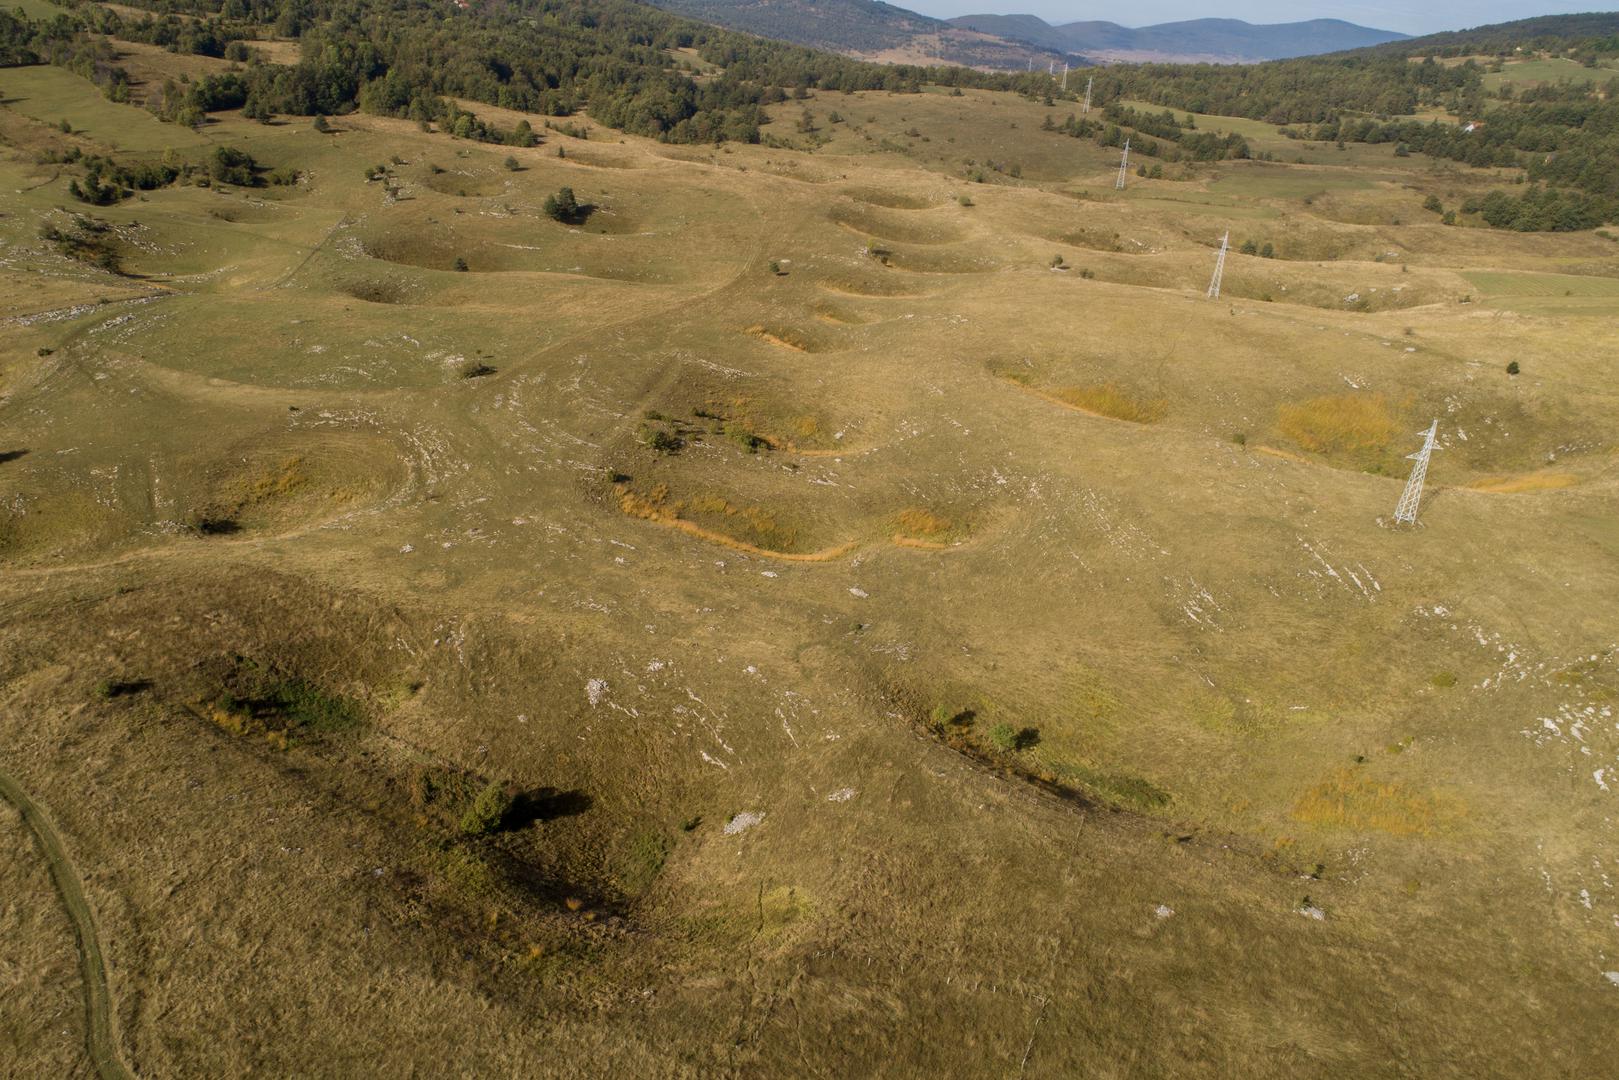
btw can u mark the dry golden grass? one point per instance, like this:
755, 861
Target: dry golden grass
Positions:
1177, 649
1340, 423
1111, 401
1352, 800
656, 508
278, 482
1517, 485
919, 522
784, 340
1285, 455
918, 527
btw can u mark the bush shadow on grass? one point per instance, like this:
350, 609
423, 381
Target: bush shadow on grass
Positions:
545, 804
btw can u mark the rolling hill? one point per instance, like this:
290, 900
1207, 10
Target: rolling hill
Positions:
871, 29
734, 561
1224, 40
875, 30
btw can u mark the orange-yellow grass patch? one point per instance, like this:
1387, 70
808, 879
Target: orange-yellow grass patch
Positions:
1352, 800
780, 342
1284, 455
1339, 422
920, 528
1515, 485
1105, 400
656, 509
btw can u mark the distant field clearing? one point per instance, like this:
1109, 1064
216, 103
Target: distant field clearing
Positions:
1507, 283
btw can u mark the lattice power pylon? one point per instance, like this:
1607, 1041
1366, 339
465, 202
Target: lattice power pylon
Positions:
1065, 75
1124, 166
1411, 498
1219, 267
1089, 79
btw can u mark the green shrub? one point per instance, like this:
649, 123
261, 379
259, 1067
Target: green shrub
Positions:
487, 811
663, 442
1003, 737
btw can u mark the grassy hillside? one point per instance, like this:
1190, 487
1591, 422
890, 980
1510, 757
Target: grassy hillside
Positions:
848, 603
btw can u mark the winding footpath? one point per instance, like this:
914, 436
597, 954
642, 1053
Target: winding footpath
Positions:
97, 998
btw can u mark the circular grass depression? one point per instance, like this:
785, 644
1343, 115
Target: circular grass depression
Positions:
287, 481
884, 226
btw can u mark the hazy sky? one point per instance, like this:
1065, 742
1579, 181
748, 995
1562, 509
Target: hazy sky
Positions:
1417, 17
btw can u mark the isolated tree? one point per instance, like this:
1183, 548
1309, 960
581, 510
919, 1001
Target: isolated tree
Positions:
1249, 247
522, 135
511, 164
562, 206
321, 125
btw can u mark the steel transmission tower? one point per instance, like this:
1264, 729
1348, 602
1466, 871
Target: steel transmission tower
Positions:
1406, 512
1065, 76
1219, 267
1124, 165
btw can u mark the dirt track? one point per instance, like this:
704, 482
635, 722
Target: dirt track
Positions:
97, 998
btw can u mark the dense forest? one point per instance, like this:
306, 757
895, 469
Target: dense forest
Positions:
400, 57
1309, 90
1564, 136
619, 60
1543, 33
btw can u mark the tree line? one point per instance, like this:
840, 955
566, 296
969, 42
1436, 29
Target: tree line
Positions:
401, 57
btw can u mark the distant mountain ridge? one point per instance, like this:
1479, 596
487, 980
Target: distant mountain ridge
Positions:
876, 30
1227, 40
867, 28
